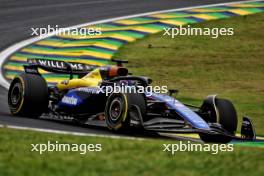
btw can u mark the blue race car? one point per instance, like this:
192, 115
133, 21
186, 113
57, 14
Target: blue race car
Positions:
86, 100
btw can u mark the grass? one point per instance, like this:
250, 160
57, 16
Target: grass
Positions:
231, 66
119, 157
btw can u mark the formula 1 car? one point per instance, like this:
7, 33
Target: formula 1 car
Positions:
84, 100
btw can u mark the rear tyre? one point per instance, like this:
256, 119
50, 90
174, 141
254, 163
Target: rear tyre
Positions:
119, 107
28, 95
226, 116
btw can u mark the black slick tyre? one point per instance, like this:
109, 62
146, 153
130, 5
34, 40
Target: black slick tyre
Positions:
28, 95
227, 117
118, 108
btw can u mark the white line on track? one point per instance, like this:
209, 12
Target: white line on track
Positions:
70, 132
13, 48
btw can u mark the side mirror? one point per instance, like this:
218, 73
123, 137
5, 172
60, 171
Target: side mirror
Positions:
173, 91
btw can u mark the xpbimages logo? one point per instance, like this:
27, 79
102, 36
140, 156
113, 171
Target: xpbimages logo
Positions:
62, 147
124, 88
197, 147
193, 31
85, 31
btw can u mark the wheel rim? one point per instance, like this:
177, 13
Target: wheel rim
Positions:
16, 94
115, 109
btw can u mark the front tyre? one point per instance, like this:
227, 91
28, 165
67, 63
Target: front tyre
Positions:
225, 114
119, 107
28, 95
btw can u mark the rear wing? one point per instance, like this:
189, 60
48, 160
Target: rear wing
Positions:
57, 66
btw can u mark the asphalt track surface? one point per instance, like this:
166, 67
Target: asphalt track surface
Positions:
17, 17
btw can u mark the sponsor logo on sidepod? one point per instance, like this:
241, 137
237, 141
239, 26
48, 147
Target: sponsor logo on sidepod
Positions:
69, 100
